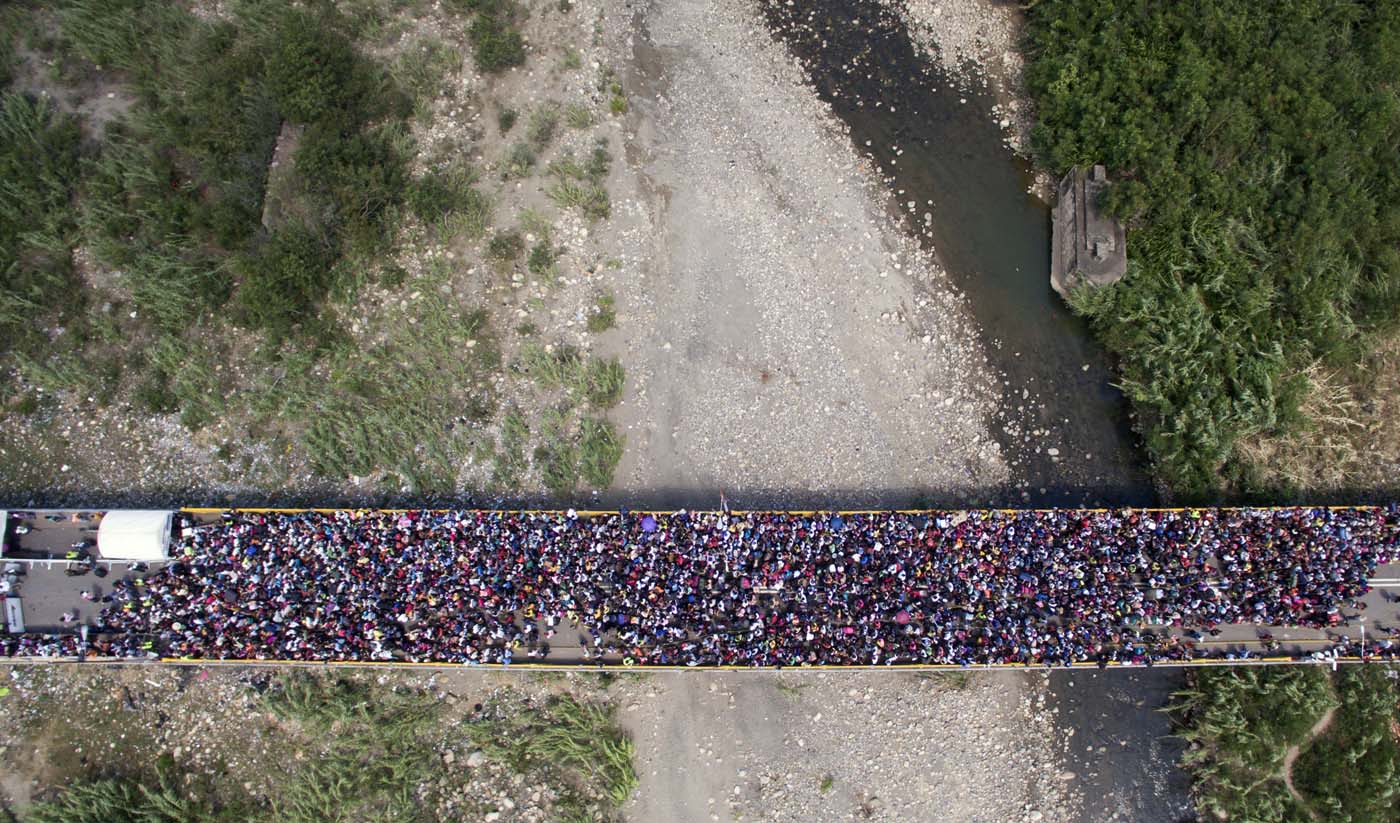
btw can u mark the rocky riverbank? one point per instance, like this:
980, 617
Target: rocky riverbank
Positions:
976, 43
847, 746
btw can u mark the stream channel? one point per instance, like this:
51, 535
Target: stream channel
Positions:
993, 238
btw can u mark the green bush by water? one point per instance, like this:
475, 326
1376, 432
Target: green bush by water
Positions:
1255, 150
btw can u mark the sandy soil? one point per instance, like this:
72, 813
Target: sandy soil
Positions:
786, 343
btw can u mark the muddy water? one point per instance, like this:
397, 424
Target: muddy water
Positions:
939, 147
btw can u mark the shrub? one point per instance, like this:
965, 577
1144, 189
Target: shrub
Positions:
441, 192
599, 162
506, 246
362, 175
589, 198
471, 218
604, 314
285, 280
603, 381
543, 122
541, 260
310, 69
505, 119
518, 162
392, 276
497, 45
578, 116
154, 395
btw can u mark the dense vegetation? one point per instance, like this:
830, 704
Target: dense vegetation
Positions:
1240, 723
380, 754
1256, 157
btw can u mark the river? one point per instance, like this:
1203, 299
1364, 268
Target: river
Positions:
939, 143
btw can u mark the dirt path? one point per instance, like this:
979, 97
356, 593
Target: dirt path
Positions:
1292, 754
783, 337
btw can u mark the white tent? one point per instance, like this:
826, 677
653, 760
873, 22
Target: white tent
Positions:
135, 535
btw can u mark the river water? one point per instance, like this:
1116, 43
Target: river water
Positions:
940, 144
937, 142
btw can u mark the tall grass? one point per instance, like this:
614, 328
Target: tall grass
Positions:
404, 407
38, 172
510, 460
600, 449
381, 763
422, 71
597, 381
1262, 236
117, 801
1239, 723
591, 199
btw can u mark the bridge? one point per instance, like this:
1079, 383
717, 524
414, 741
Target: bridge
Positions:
53, 583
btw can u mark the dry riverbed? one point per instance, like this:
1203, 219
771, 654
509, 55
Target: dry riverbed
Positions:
816, 747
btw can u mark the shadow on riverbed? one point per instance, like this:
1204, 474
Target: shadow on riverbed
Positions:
656, 499
940, 149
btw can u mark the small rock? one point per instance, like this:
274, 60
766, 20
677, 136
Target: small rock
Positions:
476, 759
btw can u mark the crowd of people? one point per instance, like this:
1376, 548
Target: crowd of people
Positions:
760, 589
751, 589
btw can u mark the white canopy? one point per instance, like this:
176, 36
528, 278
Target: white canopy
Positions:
134, 535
